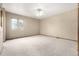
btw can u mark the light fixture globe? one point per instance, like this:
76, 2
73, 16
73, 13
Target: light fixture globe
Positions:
39, 12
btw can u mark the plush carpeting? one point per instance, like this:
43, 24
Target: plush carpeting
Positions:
39, 46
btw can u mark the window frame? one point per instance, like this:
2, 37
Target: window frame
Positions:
19, 24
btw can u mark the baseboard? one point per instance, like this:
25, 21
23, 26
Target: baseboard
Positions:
21, 37
59, 37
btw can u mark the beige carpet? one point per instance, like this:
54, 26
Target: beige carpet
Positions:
39, 46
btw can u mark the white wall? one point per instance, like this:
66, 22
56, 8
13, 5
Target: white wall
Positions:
1, 39
1, 33
31, 26
0, 17
62, 25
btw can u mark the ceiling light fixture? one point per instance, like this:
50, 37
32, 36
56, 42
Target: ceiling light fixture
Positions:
40, 12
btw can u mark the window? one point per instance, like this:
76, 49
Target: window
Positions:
21, 24
14, 24
17, 24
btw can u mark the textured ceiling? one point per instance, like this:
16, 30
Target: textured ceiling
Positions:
29, 9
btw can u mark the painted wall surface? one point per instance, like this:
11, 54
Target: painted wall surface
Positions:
30, 26
0, 17
4, 23
1, 39
63, 25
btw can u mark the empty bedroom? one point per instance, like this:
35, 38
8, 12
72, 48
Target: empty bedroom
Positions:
39, 29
